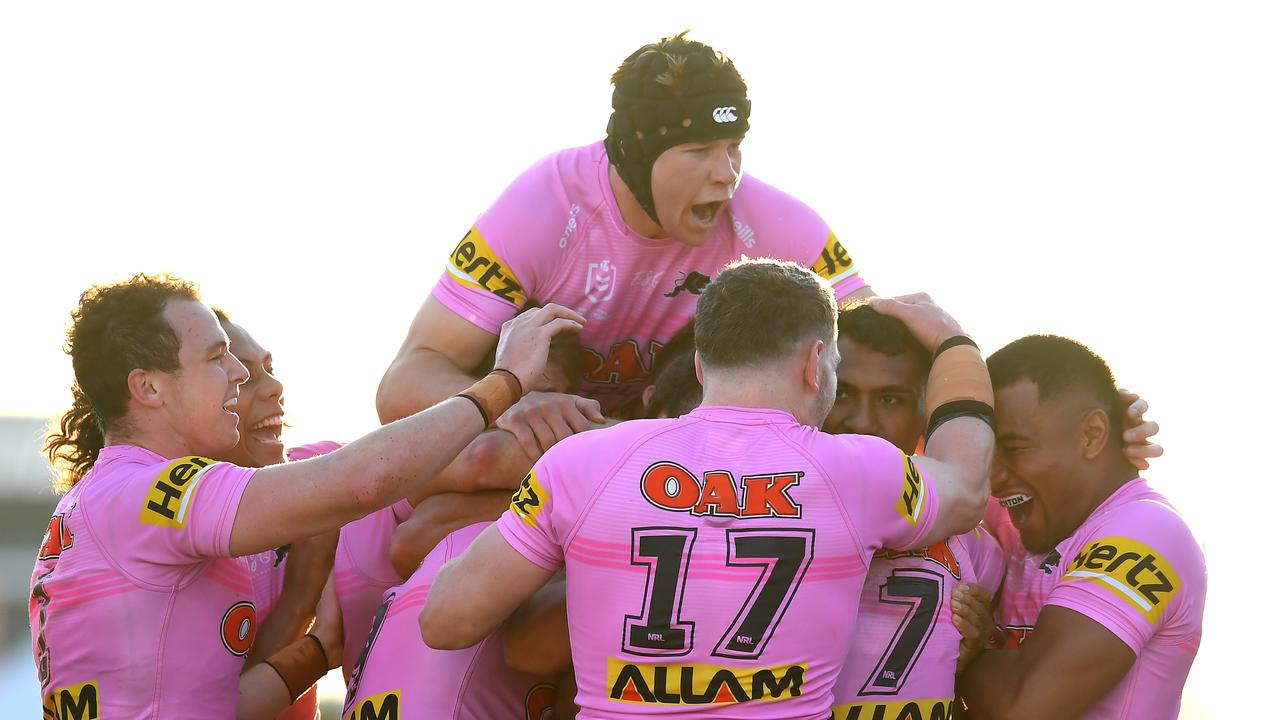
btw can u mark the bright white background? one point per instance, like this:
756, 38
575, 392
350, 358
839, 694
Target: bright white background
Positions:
1103, 170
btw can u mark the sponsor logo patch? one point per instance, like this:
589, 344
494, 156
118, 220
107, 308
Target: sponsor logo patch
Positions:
383, 706
474, 264
73, 702
1131, 570
911, 503
648, 684
529, 499
169, 498
834, 263
669, 486
239, 628
939, 709
725, 114
540, 702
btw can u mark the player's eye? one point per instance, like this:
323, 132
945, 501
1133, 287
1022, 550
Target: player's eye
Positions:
890, 401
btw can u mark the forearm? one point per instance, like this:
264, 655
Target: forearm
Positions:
990, 684
417, 379
536, 640
965, 445
263, 694
288, 620
441, 515
493, 461
309, 563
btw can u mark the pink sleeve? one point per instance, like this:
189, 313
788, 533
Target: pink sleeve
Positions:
310, 450
1133, 574
895, 505
510, 253
987, 558
176, 513
530, 523
783, 227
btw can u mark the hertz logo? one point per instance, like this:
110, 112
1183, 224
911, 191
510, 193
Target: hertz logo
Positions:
1129, 569
529, 499
383, 706
939, 709
912, 502
74, 702
834, 263
169, 498
474, 264
702, 684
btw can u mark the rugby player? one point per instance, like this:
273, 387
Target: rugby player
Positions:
627, 231
715, 560
1120, 583
134, 586
287, 581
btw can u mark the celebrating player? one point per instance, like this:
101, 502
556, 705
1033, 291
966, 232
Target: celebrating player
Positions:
136, 607
628, 232
716, 559
1122, 577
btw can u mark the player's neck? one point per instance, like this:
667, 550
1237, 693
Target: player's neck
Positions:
1112, 474
632, 214
755, 391
143, 433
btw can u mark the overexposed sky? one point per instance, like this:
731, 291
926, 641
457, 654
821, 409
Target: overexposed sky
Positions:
1107, 171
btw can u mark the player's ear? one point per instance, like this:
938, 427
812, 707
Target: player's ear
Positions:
813, 366
145, 387
697, 367
1094, 431
647, 396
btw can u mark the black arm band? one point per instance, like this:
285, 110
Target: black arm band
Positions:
960, 408
483, 415
952, 342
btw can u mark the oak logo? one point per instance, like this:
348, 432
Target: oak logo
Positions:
239, 627
702, 684
74, 702
170, 497
529, 499
383, 706
540, 702
939, 552
911, 507
474, 264
669, 486
1129, 569
623, 365
939, 709
834, 263
56, 539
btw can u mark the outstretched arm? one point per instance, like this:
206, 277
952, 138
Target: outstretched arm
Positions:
300, 499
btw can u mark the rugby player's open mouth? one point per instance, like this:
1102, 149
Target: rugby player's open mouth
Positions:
268, 429
229, 407
1018, 505
705, 213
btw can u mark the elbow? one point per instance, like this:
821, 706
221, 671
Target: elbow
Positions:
443, 630
403, 558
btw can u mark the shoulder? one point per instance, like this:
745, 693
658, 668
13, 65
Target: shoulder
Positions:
612, 441
769, 222
549, 189
310, 450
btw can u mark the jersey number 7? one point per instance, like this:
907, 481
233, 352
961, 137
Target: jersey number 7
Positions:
783, 557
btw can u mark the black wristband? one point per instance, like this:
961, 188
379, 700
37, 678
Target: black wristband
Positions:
960, 408
483, 415
952, 342
513, 377
320, 645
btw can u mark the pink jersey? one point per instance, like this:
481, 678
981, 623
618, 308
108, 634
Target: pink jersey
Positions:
362, 572
137, 610
398, 676
902, 662
557, 235
1134, 567
714, 562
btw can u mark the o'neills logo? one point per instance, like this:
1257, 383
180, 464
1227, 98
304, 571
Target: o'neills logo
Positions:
1129, 569
939, 709
668, 485
702, 684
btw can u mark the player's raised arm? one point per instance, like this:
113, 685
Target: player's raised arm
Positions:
284, 502
958, 440
433, 363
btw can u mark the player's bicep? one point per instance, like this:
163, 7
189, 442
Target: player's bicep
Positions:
473, 594
437, 329
1069, 663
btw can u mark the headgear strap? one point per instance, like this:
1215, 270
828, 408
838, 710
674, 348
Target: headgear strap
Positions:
650, 117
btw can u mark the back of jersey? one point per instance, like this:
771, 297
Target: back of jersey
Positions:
712, 564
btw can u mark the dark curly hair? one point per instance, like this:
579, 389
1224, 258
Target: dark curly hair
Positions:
114, 330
